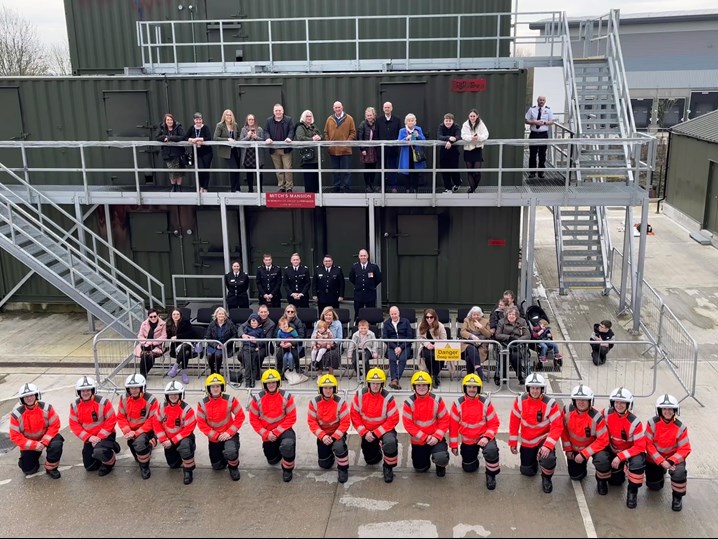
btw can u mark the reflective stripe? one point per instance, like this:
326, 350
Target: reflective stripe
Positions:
383, 417
172, 430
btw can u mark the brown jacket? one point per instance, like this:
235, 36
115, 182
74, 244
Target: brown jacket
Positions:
470, 328
346, 131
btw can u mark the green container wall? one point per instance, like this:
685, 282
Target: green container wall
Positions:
688, 171
103, 37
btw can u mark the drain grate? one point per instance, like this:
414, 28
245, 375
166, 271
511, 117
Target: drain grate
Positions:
5, 444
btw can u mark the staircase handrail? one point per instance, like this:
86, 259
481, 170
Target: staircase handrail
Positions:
113, 276
604, 233
569, 77
78, 255
615, 55
558, 234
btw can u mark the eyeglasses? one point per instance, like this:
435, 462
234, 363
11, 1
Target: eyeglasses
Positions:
291, 312
429, 317
152, 316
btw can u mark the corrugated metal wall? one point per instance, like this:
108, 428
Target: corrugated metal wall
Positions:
103, 34
689, 165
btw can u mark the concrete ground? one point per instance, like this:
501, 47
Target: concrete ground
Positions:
53, 350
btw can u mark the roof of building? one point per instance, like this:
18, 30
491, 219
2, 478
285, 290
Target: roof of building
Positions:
645, 18
704, 127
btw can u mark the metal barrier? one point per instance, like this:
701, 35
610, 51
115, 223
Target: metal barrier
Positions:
668, 335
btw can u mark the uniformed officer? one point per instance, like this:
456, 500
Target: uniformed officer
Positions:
237, 283
328, 284
269, 282
365, 276
297, 282
539, 118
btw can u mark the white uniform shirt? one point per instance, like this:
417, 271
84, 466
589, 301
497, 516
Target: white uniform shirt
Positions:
546, 114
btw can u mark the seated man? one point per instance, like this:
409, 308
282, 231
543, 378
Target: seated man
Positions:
395, 330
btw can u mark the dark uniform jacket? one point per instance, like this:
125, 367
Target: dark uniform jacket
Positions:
269, 282
365, 281
298, 281
328, 285
236, 286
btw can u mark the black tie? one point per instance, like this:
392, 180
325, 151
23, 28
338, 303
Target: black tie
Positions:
236, 275
363, 266
539, 114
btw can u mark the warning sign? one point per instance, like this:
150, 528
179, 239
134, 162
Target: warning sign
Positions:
447, 351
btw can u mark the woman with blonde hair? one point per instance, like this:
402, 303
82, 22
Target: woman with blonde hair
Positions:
412, 159
221, 329
227, 129
306, 131
475, 329
332, 357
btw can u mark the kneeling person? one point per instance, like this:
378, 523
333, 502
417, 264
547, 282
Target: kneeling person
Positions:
174, 425
329, 420
134, 416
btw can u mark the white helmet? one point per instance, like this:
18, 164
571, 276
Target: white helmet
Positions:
621, 394
86, 382
28, 389
174, 388
535, 380
582, 392
135, 380
667, 401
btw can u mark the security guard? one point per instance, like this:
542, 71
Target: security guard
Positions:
539, 118
269, 283
297, 282
365, 276
237, 283
328, 284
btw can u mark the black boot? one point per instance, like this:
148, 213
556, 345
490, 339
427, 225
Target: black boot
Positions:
104, 470
286, 475
546, 484
234, 473
677, 503
187, 477
631, 498
343, 474
145, 470
490, 482
440, 471
602, 486
388, 474
55, 474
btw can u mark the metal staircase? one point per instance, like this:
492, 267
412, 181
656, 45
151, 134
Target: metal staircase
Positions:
604, 113
76, 268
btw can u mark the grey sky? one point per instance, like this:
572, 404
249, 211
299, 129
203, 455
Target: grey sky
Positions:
49, 15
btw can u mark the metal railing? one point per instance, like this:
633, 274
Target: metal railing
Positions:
89, 253
360, 44
674, 344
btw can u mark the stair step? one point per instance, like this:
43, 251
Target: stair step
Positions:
582, 243
577, 213
581, 252
584, 284
595, 264
602, 153
582, 274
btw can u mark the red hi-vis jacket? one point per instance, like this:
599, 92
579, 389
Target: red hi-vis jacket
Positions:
272, 413
328, 417
174, 422
667, 441
584, 432
625, 434
94, 417
31, 429
135, 414
374, 412
425, 416
215, 416
473, 419
539, 421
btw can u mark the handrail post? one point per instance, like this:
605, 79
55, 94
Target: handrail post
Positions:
174, 46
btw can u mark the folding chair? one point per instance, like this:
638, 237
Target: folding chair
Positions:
239, 315
275, 313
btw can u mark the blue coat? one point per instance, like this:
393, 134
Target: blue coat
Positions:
404, 152
393, 336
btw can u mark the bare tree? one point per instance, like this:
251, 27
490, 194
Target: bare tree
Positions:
58, 59
21, 52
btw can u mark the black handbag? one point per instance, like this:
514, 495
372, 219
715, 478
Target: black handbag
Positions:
307, 154
186, 160
419, 155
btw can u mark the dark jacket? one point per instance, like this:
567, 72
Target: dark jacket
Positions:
206, 133
365, 281
391, 335
304, 133
219, 333
269, 282
328, 286
236, 286
176, 135
297, 281
389, 130
272, 130
443, 133
608, 336
182, 331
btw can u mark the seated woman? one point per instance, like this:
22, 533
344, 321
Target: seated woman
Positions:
179, 328
476, 329
514, 328
332, 357
429, 331
290, 313
220, 329
150, 346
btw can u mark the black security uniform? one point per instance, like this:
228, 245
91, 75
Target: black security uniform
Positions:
328, 286
365, 281
297, 281
237, 285
269, 281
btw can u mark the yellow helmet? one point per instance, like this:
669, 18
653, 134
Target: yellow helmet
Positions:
271, 375
376, 375
327, 380
421, 377
471, 380
214, 379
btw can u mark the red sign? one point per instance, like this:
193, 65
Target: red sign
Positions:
290, 200
468, 85
497, 243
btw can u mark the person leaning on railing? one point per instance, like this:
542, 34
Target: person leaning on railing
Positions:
250, 157
172, 131
306, 131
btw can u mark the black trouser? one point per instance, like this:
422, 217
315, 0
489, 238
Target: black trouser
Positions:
655, 477
474, 174
282, 449
370, 174
451, 178
234, 302
276, 301
102, 453
147, 359
537, 149
233, 164
432, 365
182, 454
636, 469
470, 457
386, 447
423, 455
223, 453
205, 163
251, 363
327, 453
182, 354
29, 460
578, 471
214, 360
599, 353
302, 302
142, 445
473, 361
252, 179
530, 462
311, 178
